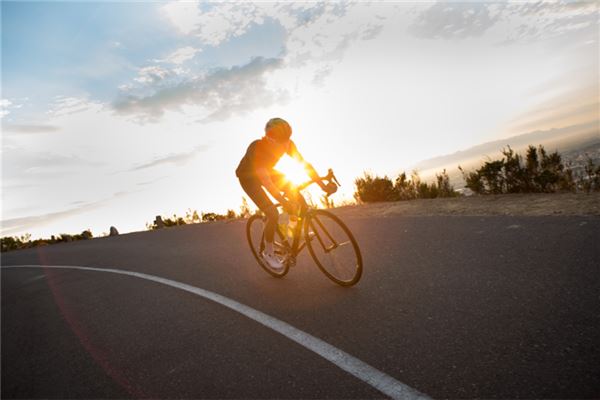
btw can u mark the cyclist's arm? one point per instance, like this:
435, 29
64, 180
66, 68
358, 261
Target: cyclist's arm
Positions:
312, 172
265, 180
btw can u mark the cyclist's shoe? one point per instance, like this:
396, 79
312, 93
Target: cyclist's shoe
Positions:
272, 261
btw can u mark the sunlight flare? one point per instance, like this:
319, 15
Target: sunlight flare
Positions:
293, 170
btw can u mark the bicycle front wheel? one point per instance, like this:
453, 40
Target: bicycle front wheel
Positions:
333, 247
256, 239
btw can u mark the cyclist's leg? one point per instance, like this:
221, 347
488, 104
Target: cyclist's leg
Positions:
254, 190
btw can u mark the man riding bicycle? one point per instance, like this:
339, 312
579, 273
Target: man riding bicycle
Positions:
256, 172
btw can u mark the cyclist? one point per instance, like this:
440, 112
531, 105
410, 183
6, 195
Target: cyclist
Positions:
256, 172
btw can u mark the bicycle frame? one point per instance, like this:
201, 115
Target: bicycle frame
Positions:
298, 244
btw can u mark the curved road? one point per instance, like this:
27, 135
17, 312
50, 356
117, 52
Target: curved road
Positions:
452, 307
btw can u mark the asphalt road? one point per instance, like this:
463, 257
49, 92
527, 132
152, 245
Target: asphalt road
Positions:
454, 307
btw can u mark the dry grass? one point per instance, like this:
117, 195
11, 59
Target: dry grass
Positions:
506, 204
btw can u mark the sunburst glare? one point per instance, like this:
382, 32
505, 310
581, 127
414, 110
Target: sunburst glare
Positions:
292, 169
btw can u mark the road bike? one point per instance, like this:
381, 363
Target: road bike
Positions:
330, 243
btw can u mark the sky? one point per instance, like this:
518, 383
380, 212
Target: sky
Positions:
115, 112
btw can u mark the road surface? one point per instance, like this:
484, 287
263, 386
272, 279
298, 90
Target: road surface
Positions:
451, 307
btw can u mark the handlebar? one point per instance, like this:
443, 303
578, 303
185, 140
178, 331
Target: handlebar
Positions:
330, 177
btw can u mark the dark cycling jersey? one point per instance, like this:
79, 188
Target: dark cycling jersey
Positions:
262, 154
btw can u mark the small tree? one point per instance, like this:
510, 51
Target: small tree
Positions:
231, 214
491, 173
374, 189
514, 173
245, 209
404, 187
444, 188
590, 180
473, 181
192, 217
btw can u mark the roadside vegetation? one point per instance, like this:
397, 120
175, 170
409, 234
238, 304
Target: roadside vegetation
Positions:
537, 172
9, 243
371, 188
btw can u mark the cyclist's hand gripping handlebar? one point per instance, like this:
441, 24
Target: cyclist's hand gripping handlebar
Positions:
332, 185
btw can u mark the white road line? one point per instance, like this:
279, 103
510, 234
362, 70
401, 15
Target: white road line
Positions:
375, 378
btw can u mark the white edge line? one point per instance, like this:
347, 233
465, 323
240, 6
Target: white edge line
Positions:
361, 370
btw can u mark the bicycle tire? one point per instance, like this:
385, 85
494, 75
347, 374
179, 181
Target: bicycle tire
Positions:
314, 223
255, 225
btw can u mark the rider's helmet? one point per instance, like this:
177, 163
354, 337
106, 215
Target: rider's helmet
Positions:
278, 129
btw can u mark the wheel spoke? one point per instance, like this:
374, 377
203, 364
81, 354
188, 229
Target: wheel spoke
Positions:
335, 251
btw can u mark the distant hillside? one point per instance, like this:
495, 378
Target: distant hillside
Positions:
572, 140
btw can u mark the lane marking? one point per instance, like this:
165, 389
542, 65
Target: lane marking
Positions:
361, 370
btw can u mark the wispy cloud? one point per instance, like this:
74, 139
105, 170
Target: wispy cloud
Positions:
32, 128
65, 105
178, 159
18, 225
181, 55
213, 23
21, 164
152, 74
7, 106
150, 182
458, 20
526, 21
219, 93
4, 106
574, 106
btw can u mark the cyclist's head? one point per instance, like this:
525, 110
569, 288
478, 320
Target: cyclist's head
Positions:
278, 129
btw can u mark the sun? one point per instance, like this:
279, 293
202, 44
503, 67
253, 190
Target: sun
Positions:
292, 169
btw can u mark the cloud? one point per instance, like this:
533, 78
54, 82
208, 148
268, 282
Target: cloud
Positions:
546, 20
212, 23
317, 37
23, 224
577, 105
20, 164
525, 21
151, 74
63, 105
312, 29
455, 20
181, 55
30, 128
5, 106
219, 93
218, 22
150, 182
177, 159
183, 15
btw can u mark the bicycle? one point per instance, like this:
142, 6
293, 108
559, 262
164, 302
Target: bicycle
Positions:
330, 243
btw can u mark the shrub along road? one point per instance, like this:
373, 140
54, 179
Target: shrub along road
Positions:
454, 307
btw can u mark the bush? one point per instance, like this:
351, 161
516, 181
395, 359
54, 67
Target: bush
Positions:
374, 189
541, 173
9, 243
590, 179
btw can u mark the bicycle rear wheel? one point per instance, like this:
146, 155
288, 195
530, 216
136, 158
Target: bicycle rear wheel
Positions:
256, 239
333, 247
